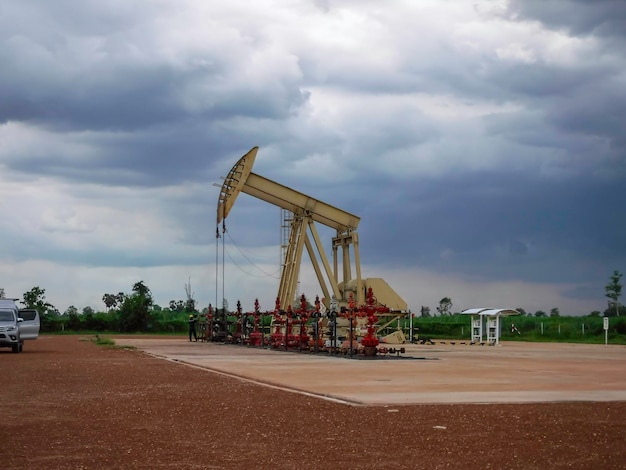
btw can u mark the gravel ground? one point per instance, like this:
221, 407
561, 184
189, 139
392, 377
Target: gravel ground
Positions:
68, 403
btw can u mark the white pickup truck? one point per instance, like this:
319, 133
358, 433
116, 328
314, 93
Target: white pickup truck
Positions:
17, 325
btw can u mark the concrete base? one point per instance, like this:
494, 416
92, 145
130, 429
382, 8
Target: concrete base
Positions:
512, 372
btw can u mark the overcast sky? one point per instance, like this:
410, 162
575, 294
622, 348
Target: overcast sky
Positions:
482, 143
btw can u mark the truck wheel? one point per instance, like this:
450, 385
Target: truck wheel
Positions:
15, 348
21, 346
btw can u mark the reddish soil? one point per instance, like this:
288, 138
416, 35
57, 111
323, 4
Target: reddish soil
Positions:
68, 403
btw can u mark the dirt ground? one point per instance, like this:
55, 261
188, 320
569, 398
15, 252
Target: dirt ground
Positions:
68, 403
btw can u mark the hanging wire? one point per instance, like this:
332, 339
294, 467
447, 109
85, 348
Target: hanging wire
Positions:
274, 275
223, 267
217, 259
265, 273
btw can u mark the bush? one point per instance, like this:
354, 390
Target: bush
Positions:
134, 315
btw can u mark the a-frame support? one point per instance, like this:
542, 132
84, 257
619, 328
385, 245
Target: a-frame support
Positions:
307, 211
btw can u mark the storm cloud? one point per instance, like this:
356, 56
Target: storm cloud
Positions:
483, 144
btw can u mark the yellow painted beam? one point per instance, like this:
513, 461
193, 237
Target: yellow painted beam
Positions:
287, 198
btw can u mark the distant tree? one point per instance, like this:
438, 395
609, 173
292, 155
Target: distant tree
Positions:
613, 312
595, 313
190, 304
73, 321
177, 306
613, 291
36, 298
540, 313
554, 312
71, 310
445, 305
2, 293
110, 301
521, 310
134, 312
141, 289
88, 310
425, 311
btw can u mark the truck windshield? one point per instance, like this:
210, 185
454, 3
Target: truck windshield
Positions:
6, 315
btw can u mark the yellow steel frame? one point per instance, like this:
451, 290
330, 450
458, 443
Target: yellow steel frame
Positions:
307, 210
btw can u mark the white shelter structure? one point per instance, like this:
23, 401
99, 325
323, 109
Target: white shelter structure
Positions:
486, 322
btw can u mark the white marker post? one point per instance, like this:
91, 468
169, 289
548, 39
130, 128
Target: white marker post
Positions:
606, 330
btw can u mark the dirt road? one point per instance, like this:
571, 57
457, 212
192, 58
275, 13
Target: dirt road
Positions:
68, 403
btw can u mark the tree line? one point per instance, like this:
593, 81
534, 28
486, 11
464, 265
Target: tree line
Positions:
137, 311
134, 312
613, 291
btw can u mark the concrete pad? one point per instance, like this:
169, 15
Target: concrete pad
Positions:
512, 372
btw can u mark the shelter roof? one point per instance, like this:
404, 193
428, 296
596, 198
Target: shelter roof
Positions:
491, 312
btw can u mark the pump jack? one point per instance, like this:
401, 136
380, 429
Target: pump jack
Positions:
306, 212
